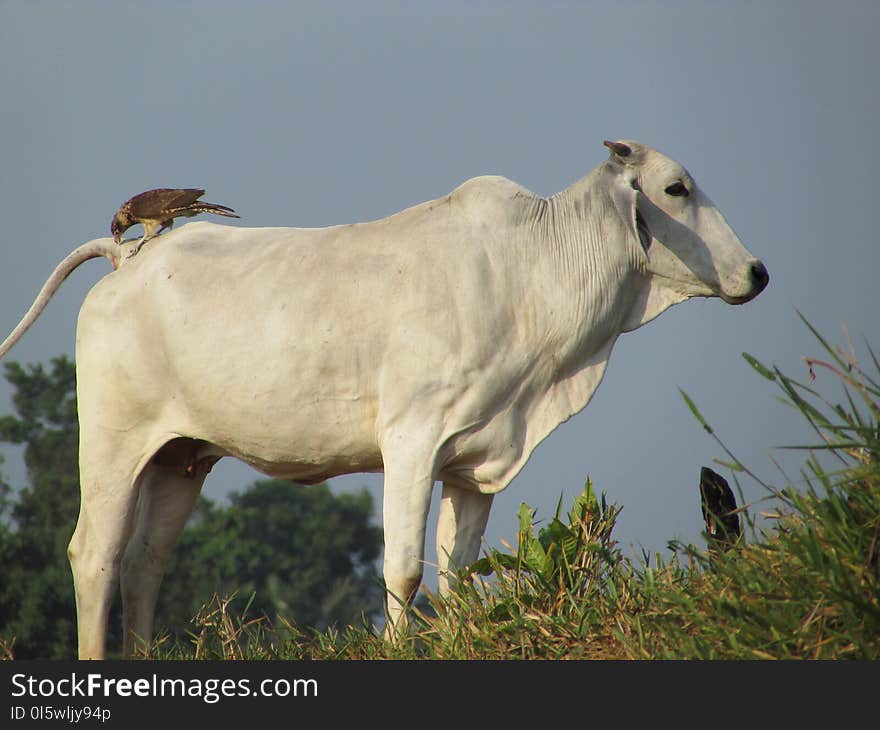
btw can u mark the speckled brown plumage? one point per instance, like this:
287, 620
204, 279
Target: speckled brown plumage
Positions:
156, 210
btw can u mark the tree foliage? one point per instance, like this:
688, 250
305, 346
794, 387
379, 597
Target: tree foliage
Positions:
36, 596
304, 553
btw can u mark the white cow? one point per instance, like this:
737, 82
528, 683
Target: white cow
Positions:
444, 342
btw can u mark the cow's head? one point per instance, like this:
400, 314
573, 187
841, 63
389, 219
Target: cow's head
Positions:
690, 248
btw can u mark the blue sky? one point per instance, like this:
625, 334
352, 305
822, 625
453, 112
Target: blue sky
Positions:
313, 114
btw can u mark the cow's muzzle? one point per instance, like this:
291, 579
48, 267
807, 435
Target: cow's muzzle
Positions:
759, 277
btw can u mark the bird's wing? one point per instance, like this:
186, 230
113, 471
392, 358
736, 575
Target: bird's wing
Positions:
153, 203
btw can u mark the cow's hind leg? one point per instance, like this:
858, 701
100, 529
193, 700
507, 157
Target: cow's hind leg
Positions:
166, 499
108, 495
460, 527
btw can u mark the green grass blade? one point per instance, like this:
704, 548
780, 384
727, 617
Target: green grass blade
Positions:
828, 348
762, 370
693, 406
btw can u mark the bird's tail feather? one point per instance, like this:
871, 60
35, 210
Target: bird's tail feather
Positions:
215, 208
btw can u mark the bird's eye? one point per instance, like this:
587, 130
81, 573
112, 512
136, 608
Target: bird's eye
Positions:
677, 189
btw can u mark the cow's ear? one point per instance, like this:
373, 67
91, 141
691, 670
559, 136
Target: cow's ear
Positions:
620, 150
626, 154
625, 195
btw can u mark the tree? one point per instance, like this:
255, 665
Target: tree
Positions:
306, 554
36, 596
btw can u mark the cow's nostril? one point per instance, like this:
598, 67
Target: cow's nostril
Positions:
760, 276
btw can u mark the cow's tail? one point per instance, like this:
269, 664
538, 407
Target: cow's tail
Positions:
93, 249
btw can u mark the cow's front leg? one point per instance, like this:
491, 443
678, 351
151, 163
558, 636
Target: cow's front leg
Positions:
460, 527
405, 503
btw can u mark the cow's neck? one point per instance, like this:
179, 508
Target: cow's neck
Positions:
587, 268
577, 281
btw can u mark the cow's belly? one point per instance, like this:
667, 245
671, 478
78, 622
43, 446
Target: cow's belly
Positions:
302, 441
301, 436
311, 473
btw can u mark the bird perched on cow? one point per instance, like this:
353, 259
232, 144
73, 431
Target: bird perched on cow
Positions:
157, 209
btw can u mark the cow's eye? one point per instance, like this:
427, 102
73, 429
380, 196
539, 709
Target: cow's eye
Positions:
677, 189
